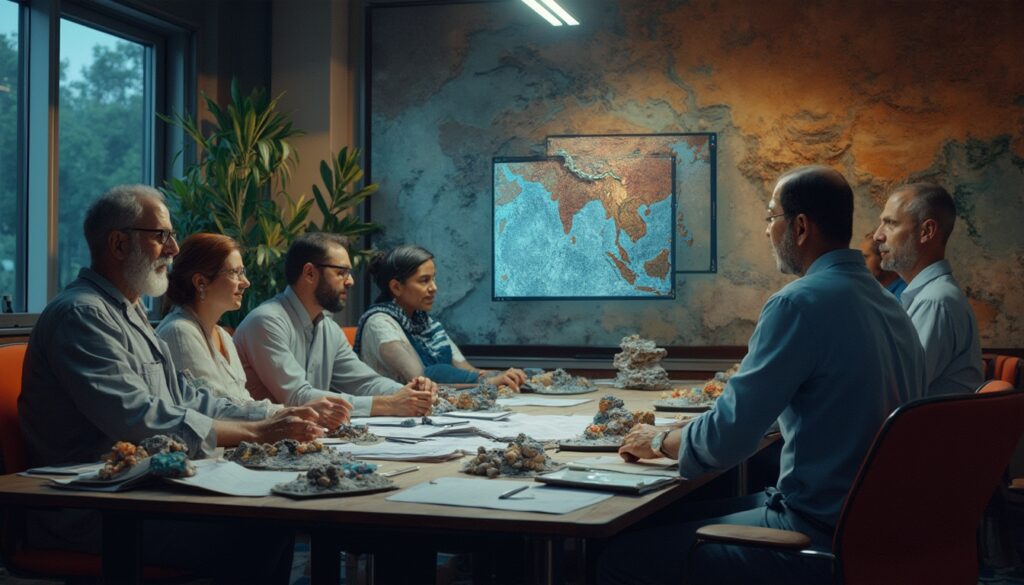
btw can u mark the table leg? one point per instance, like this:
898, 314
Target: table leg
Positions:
122, 548
325, 557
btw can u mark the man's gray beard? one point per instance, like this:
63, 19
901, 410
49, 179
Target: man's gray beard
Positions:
899, 259
141, 274
785, 254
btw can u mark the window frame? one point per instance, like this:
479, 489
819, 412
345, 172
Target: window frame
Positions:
170, 82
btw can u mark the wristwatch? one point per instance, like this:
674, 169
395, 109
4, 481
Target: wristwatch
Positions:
657, 442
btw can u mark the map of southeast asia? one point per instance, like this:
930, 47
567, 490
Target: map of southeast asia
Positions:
563, 231
696, 247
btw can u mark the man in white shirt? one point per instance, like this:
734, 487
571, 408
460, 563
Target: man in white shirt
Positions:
915, 226
293, 352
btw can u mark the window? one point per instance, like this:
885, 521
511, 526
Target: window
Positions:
11, 249
77, 116
103, 129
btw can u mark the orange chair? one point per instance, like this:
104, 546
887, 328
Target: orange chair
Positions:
350, 333
994, 386
1003, 367
912, 513
12, 357
18, 557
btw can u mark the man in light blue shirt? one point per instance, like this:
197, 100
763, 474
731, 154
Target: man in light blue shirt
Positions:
293, 352
915, 227
831, 357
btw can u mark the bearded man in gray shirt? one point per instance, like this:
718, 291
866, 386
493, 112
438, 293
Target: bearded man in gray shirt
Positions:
293, 352
96, 373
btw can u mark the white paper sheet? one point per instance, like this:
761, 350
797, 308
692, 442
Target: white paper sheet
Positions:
72, 469
483, 493
478, 414
538, 401
541, 427
230, 478
439, 449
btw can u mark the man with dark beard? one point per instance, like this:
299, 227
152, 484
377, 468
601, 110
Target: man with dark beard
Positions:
831, 357
293, 352
96, 373
915, 227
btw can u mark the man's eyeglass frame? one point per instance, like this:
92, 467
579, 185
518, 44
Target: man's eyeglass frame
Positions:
162, 235
343, 271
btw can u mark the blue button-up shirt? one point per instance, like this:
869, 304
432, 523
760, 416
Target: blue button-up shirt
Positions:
291, 360
947, 329
833, 354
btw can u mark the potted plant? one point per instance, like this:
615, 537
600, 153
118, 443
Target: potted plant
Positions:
244, 163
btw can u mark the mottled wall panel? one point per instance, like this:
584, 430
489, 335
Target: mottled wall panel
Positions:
884, 91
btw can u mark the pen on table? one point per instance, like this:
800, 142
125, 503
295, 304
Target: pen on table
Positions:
409, 469
513, 491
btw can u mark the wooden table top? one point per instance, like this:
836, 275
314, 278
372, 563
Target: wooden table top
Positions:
600, 520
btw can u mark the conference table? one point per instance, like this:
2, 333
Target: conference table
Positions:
366, 521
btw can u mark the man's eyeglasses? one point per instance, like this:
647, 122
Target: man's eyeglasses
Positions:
236, 273
161, 235
771, 218
343, 271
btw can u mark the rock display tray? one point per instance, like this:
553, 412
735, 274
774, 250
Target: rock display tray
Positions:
561, 390
300, 489
289, 462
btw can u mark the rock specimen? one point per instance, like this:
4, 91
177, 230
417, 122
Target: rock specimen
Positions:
710, 391
285, 454
354, 476
560, 382
638, 365
522, 457
357, 434
481, 397
614, 421
125, 455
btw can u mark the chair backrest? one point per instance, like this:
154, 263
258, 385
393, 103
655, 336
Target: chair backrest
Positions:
1009, 370
994, 386
912, 513
12, 357
350, 333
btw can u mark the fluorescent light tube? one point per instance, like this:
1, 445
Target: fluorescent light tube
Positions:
543, 12
560, 12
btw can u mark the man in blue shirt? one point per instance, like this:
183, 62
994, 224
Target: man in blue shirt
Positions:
831, 357
915, 226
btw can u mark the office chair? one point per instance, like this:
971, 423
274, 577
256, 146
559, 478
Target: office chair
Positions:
912, 513
17, 556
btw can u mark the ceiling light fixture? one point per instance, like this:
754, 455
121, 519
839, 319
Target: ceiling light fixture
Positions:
560, 12
549, 13
543, 12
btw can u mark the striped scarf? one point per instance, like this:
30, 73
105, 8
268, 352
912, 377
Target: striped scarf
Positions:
426, 335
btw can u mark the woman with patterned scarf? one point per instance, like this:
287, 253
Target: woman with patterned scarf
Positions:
397, 337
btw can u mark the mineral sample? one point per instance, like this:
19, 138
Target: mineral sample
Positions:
357, 434
481, 397
560, 382
522, 457
124, 455
613, 421
171, 464
285, 454
638, 365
